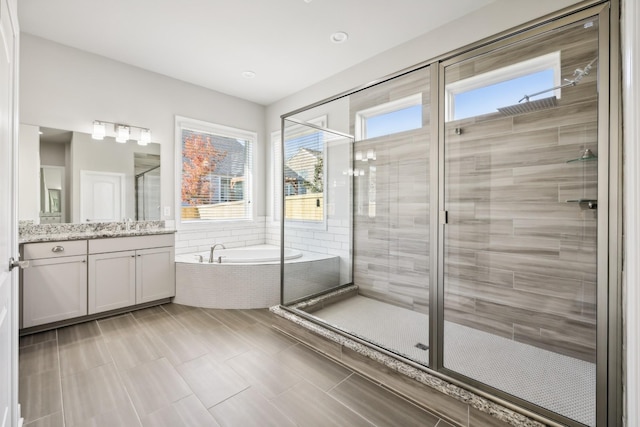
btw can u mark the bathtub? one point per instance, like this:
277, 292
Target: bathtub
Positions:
249, 277
246, 255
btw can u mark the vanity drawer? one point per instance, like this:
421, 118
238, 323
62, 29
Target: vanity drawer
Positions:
54, 249
116, 244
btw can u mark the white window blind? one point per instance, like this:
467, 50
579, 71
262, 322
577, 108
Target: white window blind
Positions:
216, 174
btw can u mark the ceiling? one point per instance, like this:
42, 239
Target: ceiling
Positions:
210, 43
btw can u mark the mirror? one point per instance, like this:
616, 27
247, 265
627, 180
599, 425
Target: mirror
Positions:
52, 194
86, 180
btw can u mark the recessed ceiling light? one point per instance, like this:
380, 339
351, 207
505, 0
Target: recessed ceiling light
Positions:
308, 1
248, 74
339, 37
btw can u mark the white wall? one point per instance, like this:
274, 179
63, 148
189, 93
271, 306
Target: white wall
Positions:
52, 154
29, 173
66, 88
494, 18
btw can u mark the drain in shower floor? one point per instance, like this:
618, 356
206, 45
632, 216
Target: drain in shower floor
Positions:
422, 346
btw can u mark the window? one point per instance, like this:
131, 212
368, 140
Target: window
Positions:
485, 93
389, 118
215, 171
304, 177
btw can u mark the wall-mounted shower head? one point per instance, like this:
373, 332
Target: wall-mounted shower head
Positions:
529, 106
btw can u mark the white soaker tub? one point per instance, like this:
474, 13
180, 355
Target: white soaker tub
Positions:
249, 277
246, 255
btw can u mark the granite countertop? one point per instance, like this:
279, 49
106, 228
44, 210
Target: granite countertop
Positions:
81, 235
32, 233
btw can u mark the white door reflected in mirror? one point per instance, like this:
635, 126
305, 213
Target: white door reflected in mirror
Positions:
102, 196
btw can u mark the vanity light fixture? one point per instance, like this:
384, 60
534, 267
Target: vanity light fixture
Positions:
121, 132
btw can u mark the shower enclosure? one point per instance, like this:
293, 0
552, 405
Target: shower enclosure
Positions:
466, 203
148, 195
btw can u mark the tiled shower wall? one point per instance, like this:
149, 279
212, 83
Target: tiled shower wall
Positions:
391, 227
520, 260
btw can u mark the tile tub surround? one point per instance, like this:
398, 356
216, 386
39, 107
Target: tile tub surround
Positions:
251, 285
180, 366
434, 394
29, 232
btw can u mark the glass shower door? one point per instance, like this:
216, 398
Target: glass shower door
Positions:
316, 219
375, 207
521, 196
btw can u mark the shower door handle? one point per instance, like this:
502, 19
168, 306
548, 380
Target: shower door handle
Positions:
444, 217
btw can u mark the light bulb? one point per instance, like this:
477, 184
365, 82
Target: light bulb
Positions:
99, 130
122, 134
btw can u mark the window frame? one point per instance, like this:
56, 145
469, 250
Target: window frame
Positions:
361, 117
277, 175
510, 72
251, 137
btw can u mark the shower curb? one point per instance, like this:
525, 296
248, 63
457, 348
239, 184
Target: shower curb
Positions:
498, 413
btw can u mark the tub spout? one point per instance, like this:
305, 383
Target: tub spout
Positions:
213, 248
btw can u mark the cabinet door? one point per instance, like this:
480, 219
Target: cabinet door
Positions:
54, 289
155, 274
112, 281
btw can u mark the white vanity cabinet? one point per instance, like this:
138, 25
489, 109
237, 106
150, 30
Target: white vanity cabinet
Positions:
54, 287
112, 281
124, 271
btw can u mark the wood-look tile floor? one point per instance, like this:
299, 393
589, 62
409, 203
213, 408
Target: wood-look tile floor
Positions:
177, 366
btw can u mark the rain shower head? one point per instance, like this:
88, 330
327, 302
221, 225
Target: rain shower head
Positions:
529, 106
550, 102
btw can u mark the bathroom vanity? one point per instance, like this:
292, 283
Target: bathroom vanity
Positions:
87, 274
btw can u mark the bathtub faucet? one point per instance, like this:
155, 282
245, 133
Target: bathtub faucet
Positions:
213, 248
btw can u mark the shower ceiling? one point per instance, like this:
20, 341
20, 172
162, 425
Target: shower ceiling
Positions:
212, 42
